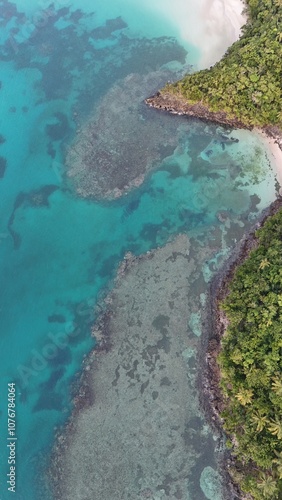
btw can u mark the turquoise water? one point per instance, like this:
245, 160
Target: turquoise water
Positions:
59, 252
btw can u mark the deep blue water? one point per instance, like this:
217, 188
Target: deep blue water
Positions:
59, 252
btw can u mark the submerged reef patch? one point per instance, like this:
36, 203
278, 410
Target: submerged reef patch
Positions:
210, 483
117, 147
141, 440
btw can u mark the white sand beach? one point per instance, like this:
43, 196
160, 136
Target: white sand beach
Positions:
221, 22
211, 25
274, 153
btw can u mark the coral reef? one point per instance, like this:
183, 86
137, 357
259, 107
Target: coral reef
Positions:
116, 148
141, 434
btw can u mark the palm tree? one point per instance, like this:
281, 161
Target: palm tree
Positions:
260, 420
277, 386
279, 113
267, 485
278, 462
245, 396
279, 296
264, 263
275, 427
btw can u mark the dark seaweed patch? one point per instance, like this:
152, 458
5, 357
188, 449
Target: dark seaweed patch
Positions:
255, 200
49, 401
62, 12
8, 11
166, 150
16, 238
40, 197
108, 265
3, 164
59, 130
150, 232
174, 171
54, 378
56, 318
51, 151
2, 139
185, 214
83, 318
64, 357
36, 198
131, 207
76, 15
160, 322
111, 25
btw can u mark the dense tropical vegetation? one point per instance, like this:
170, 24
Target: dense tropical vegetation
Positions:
251, 365
246, 83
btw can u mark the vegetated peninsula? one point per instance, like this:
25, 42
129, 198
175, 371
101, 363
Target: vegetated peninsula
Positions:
244, 89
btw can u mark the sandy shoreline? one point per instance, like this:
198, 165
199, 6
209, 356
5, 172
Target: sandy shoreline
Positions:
273, 147
222, 21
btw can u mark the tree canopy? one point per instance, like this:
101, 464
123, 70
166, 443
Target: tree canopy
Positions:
251, 364
246, 82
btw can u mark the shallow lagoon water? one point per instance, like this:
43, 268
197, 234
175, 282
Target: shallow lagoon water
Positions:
59, 252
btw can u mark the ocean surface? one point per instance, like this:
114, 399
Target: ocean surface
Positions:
59, 251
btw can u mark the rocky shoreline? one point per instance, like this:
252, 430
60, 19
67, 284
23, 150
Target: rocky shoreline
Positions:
177, 105
215, 326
